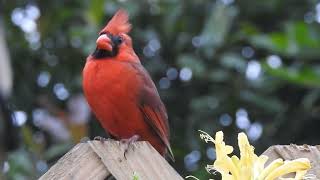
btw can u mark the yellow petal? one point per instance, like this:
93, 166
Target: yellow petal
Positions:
219, 137
272, 166
247, 155
249, 166
258, 165
226, 165
245, 173
228, 149
226, 176
300, 175
289, 167
235, 161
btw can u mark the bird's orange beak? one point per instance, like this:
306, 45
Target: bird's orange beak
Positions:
104, 42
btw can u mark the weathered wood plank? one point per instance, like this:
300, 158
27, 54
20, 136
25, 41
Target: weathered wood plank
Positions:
141, 159
79, 163
290, 152
97, 160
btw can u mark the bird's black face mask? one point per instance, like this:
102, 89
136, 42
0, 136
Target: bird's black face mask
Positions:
101, 53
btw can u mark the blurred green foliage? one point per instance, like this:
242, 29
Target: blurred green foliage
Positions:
236, 66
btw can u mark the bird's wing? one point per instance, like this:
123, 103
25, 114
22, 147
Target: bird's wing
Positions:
153, 109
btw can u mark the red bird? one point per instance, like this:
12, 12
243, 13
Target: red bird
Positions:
120, 91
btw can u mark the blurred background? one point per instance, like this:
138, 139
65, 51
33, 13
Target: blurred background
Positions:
230, 65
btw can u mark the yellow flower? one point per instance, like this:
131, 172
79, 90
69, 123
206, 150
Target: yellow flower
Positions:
250, 166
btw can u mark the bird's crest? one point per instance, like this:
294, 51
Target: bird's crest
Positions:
119, 23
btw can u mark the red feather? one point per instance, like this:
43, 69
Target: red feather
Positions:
118, 24
153, 109
122, 95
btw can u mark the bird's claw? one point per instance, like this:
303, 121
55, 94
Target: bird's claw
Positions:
128, 143
99, 138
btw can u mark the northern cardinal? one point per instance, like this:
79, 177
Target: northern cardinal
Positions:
120, 91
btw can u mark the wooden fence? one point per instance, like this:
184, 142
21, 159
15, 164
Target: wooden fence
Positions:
99, 161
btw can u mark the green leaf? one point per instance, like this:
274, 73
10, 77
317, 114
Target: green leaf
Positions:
21, 165
296, 39
95, 11
306, 76
135, 176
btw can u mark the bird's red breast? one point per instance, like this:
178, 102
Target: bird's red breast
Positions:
119, 90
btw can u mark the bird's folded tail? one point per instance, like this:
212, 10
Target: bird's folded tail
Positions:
158, 125
169, 154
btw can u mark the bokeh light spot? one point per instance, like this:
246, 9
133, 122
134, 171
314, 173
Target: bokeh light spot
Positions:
60, 91
164, 83
43, 79
5, 167
253, 70
191, 159
227, 2
308, 17
172, 73
242, 120
274, 61
247, 52
185, 74
317, 13
154, 45
19, 118
255, 131
211, 153
225, 120
17, 16
41, 166
197, 41
148, 52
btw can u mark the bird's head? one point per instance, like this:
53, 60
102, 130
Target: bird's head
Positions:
114, 41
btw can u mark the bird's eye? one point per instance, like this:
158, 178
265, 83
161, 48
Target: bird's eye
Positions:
118, 40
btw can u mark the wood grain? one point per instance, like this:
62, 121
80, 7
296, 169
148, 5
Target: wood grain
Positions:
79, 163
97, 160
141, 159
